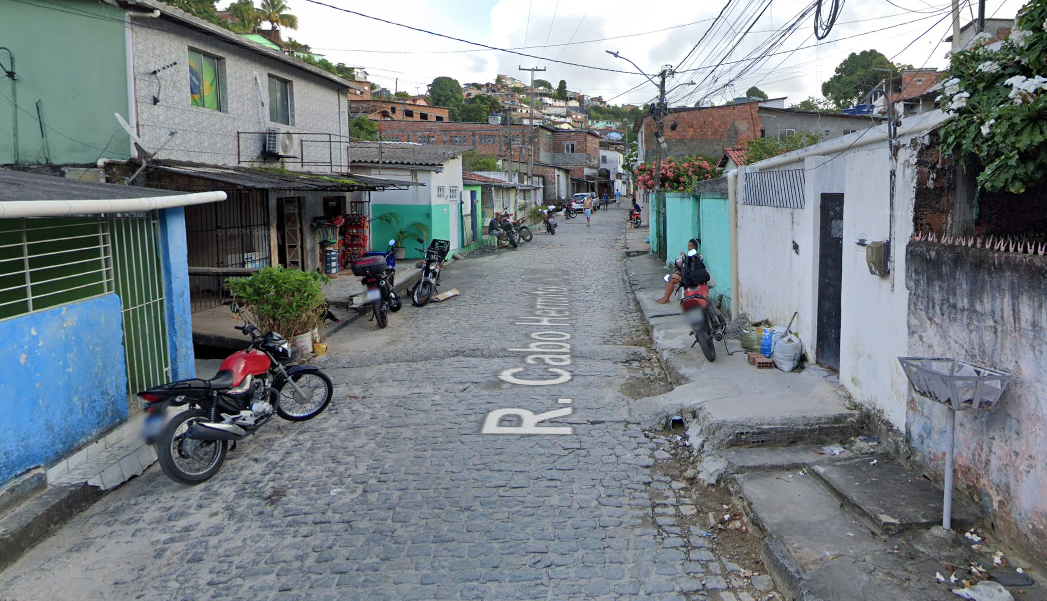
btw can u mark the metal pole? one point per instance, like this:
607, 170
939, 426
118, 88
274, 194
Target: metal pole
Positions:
955, 23
981, 16
530, 124
950, 455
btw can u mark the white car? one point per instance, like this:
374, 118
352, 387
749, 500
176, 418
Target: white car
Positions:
578, 201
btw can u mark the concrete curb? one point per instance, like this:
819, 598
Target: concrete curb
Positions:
37, 517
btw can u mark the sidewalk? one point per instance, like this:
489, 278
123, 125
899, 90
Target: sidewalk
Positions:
857, 526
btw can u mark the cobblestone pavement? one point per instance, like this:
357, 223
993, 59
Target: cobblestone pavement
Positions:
395, 492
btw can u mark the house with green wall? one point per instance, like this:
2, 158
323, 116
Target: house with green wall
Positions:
435, 202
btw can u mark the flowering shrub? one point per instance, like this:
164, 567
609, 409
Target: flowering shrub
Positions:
676, 176
998, 100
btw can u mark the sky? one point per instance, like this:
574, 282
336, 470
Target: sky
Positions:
651, 33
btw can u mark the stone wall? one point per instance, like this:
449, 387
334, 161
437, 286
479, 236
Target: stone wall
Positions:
988, 308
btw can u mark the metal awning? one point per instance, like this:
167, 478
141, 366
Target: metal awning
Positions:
266, 179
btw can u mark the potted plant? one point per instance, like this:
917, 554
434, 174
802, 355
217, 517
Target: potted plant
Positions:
289, 302
400, 232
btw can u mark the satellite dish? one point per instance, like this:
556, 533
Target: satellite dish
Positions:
139, 144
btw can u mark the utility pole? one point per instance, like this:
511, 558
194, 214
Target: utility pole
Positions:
981, 16
955, 23
530, 129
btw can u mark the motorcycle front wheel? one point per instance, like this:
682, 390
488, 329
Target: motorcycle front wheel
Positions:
525, 233
317, 390
422, 292
184, 460
636, 223
513, 240
380, 316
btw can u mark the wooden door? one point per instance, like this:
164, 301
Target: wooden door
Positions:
830, 280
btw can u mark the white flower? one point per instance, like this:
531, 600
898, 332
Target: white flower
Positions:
989, 67
1045, 25
959, 101
981, 39
1018, 37
986, 127
1014, 81
951, 82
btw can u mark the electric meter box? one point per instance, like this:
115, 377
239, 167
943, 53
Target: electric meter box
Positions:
876, 257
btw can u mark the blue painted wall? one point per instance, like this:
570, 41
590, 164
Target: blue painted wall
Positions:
681, 223
64, 381
716, 244
173, 255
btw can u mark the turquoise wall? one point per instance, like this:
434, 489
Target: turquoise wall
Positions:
441, 228
716, 245
78, 73
173, 253
64, 381
681, 223
381, 233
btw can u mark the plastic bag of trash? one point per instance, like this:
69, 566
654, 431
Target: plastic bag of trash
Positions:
786, 354
751, 338
984, 591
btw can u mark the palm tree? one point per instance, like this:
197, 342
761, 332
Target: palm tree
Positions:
275, 12
247, 16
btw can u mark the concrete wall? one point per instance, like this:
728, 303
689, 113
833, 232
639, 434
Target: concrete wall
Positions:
830, 125
715, 246
173, 253
69, 55
990, 309
681, 223
209, 136
64, 382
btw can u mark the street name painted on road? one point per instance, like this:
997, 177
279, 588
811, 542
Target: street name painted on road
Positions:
547, 347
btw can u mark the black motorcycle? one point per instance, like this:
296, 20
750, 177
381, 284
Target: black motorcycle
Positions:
550, 225
568, 212
378, 274
503, 229
435, 256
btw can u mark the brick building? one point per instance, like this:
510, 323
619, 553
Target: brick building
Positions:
394, 110
707, 131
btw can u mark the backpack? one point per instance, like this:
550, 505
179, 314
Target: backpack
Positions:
693, 272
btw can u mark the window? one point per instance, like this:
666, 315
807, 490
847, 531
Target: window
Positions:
423, 116
485, 139
439, 118
280, 102
427, 139
440, 191
392, 110
785, 133
453, 193
828, 132
603, 159
849, 131
919, 80
205, 81
408, 113
459, 140
568, 147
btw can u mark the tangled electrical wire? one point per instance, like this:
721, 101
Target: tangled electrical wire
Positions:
823, 23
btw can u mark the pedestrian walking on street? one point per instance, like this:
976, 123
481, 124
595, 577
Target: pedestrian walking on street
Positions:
587, 207
618, 198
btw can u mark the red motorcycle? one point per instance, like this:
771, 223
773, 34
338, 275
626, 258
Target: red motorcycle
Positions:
705, 319
635, 218
250, 387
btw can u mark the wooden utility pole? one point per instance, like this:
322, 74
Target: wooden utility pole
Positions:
530, 130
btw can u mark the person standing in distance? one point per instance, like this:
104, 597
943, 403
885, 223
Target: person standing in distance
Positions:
587, 208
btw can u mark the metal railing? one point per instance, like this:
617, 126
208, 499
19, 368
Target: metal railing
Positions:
315, 149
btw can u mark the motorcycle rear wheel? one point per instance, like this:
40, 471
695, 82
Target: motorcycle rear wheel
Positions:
319, 388
176, 454
422, 292
705, 340
637, 223
380, 316
525, 233
513, 240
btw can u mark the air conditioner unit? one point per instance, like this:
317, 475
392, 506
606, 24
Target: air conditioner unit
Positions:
279, 143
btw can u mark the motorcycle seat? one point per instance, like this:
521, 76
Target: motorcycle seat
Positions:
221, 380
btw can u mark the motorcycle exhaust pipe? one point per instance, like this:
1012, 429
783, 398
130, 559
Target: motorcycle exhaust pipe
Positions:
209, 431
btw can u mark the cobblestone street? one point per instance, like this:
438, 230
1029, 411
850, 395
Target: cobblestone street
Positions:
396, 493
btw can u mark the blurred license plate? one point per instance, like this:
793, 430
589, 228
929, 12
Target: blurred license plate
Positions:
373, 295
152, 425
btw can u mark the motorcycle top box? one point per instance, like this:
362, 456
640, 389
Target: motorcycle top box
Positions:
369, 266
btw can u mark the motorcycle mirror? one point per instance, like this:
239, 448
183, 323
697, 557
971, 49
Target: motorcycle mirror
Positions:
392, 242
666, 278
420, 241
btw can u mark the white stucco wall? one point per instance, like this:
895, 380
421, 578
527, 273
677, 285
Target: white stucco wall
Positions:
209, 136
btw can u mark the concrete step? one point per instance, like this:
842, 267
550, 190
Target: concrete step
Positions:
886, 496
37, 516
816, 549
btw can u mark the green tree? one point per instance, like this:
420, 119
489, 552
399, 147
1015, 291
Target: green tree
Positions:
764, 148
248, 18
342, 70
447, 92
755, 92
856, 76
561, 90
478, 108
362, 128
475, 161
817, 105
542, 83
275, 12
402, 94
203, 9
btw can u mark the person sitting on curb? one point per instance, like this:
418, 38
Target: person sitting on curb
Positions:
692, 244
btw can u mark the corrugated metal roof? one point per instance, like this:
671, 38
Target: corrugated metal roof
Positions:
19, 185
395, 153
279, 180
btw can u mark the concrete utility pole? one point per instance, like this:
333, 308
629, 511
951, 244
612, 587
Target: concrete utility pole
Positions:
530, 134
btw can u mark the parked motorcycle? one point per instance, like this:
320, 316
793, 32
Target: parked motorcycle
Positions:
378, 274
568, 212
435, 256
635, 218
706, 321
250, 387
550, 225
522, 231
504, 230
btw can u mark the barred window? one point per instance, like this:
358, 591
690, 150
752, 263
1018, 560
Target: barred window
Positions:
459, 140
780, 188
427, 139
453, 193
486, 139
516, 140
440, 191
